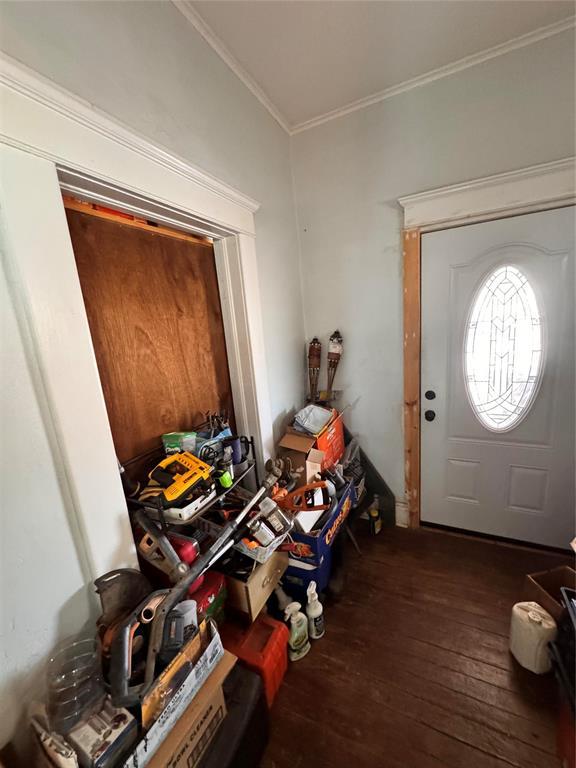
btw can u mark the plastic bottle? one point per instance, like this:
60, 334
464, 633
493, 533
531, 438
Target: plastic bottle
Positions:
283, 599
374, 516
315, 613
298, 643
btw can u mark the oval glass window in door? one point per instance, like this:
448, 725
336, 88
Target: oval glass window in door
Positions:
503, 349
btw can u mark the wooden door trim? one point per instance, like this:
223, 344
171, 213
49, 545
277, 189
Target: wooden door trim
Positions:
411, 239
128, 220
540, 187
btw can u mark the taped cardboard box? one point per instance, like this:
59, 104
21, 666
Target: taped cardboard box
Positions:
308, 451
299, 448
191, 735
180, 700
544, 588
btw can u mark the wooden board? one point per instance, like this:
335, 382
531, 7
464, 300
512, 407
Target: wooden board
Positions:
154, 312
414, 670
102, 212
412, 312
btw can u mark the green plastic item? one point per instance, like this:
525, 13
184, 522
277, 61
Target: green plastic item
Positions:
226, 480
177, 442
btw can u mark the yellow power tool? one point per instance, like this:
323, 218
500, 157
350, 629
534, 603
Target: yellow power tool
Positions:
177, 480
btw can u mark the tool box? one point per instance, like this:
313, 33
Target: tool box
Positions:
312, 558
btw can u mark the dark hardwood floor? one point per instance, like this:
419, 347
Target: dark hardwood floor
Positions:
414, 670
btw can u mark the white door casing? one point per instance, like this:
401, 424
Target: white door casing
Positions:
518, 483
52, 141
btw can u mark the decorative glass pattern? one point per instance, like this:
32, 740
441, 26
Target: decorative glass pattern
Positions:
503, 349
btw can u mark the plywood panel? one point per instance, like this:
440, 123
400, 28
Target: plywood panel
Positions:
156, 322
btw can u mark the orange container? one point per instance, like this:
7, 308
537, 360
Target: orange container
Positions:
331, 441
263, 648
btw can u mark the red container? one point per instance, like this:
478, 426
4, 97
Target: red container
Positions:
187, 550
263, 648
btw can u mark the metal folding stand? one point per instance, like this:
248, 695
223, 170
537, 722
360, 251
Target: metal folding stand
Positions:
352, 538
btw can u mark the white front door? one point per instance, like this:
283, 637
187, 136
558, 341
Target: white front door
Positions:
497, 376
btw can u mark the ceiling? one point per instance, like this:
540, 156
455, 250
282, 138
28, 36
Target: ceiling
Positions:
309, 61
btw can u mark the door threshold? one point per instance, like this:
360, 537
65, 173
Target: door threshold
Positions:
499, 541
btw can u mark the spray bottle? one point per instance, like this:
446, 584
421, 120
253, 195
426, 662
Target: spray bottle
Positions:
283, 599
315, 613
298, 643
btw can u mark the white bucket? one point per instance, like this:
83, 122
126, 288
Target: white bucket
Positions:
531, 629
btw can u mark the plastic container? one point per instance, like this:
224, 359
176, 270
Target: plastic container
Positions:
298, 643
75, 685
531, 629
262, 647
315, 613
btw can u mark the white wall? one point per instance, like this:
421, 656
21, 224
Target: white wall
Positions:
45, 597
508, 113
143, 64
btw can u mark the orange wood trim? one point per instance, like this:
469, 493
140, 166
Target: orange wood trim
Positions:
93, 209
412, 314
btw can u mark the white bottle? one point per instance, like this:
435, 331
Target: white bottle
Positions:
315, 613
283, 599
531, 629
298, 643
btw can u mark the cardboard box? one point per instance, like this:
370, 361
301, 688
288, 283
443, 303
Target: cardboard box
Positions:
250, 596
180, 700
314, 453
192, 734
299, 448
312, 560
544, 588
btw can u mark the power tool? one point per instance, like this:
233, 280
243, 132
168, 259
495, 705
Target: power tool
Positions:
179, 487
130, 689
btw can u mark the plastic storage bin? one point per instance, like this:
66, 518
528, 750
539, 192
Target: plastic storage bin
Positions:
241, 740
263, 648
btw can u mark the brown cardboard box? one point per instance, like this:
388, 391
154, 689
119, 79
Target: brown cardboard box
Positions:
300, 449
191, 735
250, 596
544, 588
154, 701
328, 445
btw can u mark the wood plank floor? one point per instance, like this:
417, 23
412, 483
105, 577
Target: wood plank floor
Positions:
414, 670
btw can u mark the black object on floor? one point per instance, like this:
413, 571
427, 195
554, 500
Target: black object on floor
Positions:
242, 738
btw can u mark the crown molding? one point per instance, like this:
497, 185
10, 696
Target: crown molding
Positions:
26, 82
505, 194
436, 74
187, 9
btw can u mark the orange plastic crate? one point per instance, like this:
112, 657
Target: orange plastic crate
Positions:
263, 648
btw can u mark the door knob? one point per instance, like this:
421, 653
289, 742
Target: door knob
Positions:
429, 415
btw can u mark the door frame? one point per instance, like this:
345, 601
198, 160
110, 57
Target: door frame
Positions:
52, 142
538, 188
